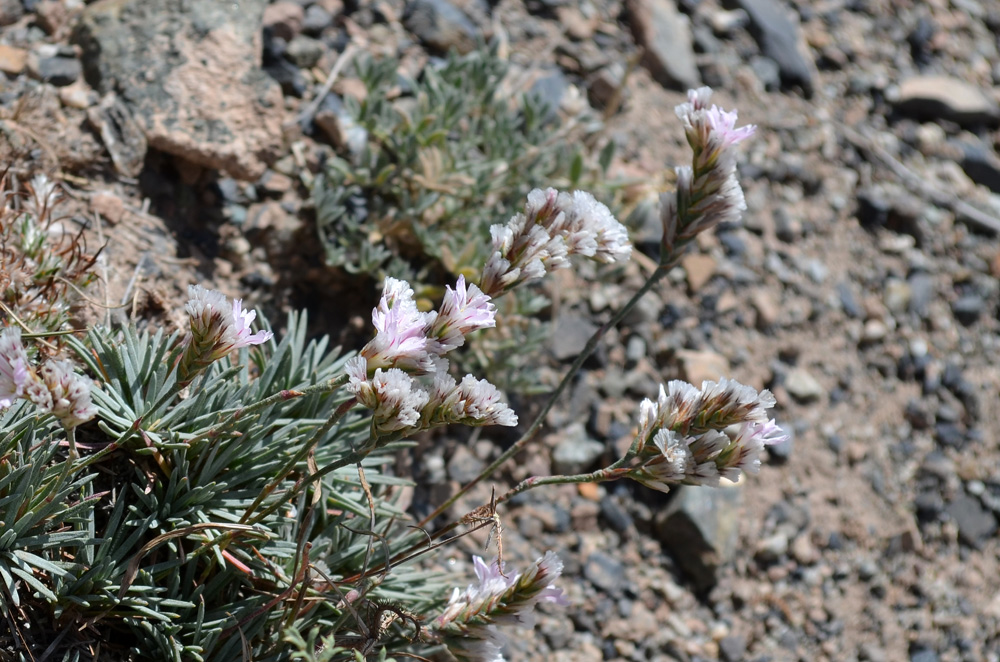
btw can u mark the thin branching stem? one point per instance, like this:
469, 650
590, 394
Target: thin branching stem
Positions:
529, 434
599, 476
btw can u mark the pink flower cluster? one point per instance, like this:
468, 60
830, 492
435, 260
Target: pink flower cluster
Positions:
708, 192
469, 625
55, 389
552, 227
409, 343
699, 436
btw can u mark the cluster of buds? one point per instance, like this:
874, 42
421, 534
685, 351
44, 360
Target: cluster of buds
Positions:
54, 388
699, 436
469, 626
708, 192
217, 328
409, 343
552, 227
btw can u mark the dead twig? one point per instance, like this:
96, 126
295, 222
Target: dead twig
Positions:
307, 115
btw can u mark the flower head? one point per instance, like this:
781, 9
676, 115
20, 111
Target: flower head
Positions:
226, 325
14, 372
472, 402
400, 332
465, 309
68, 397
216, 328
696, 436
552, 227
469, 625
394, 396
707, 193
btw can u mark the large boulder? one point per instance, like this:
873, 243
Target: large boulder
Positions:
188, 70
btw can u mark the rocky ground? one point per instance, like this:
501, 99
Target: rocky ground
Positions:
861, 287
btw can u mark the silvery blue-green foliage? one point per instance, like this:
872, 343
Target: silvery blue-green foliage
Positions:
162, 540
439, 160
428, 165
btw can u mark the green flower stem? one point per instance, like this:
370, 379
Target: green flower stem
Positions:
94, 457
71, 457
307, 448
654, 278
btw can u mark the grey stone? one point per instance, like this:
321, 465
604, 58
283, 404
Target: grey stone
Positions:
968, 309
53, 65
316, 20
733, 648
780, 39
981, 164
665, 34
949, 434
635, 349
874, 207
700, 529
188, 73
975, 523
867, 570
944, 98
803, 386
570, 334
616, 515
605, 572
767, 71
304, 52
440, 25
11, 11
464, 466
928, 505
576, 452
849, 302
338, 124
787, 228
772, 548
550, 89
923, 655
921, 292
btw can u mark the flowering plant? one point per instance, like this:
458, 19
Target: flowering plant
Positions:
227, 493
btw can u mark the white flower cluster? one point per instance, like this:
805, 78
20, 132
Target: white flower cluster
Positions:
217, 328
552, 227
56, 389
409, 343
470, 623
698, 436
14, 372
708, 192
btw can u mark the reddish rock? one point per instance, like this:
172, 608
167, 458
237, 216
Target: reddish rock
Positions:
12, 60
190, 78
